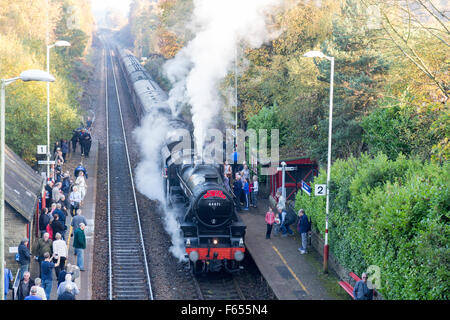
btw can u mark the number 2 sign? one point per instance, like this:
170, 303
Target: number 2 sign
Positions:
320, 189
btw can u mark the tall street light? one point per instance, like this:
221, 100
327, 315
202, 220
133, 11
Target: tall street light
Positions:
61, 43
318, 54
29, 75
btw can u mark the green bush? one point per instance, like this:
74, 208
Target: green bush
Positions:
392, 214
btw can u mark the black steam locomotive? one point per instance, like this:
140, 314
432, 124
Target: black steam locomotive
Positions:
213, 232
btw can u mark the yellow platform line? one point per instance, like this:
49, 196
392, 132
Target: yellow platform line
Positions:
290, 270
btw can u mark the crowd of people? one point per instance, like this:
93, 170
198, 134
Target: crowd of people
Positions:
61, 209
245, 188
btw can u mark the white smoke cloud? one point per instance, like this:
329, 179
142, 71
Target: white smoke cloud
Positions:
197, 70
149, 181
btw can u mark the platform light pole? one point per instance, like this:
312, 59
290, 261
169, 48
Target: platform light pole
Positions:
29, 75
60, 43
318, 54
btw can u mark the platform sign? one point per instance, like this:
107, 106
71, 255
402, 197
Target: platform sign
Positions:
320, 189
46, 162
306, 188
287, 168
41, 149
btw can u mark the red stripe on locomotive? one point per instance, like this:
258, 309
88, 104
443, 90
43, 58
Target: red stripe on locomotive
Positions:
222, 253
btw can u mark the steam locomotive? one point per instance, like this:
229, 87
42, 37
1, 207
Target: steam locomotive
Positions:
213, 232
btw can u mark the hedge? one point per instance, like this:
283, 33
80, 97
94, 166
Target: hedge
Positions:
393, 214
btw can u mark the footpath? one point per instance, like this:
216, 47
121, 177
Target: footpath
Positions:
291, 275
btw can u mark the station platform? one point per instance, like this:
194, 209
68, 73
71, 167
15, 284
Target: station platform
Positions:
88, 211
291, 275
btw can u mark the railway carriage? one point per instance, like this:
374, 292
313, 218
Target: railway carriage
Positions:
213, 232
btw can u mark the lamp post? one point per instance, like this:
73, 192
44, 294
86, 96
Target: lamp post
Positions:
61, 43
29, 75
318, 54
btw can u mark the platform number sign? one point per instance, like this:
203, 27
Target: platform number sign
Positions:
320, 189
41, 149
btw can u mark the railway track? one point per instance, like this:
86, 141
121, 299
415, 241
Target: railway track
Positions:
217, 286
129, 276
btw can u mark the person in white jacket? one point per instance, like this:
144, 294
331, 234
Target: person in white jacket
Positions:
75, 201
81, 183
60, 249
40, 291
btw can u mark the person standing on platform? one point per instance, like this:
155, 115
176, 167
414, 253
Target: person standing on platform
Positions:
65, 185
49, 228
60, 250
81, 184
286, 221
43, 245
74, 140
40, 291
281, 201
47, 267
237, 189
303, 227
78, 220
62, 275
56, 192
81, 139
67, 294
246, 189
62, 219
75, 201
79, 244
227, 170
226, 183
255, 192
24, 286
270, 219
87, 139
235, 157
89, 123
48, 194
44, 220
64, 149
68, 280
8, 280
24, 257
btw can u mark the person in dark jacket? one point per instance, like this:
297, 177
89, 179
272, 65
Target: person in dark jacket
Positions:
81, 135
44, 220
74, 140
64, 149
24, 257
24, 286
65, 188
237, 190
303, 227
57, 226
361, 291
48, 194
87, 141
